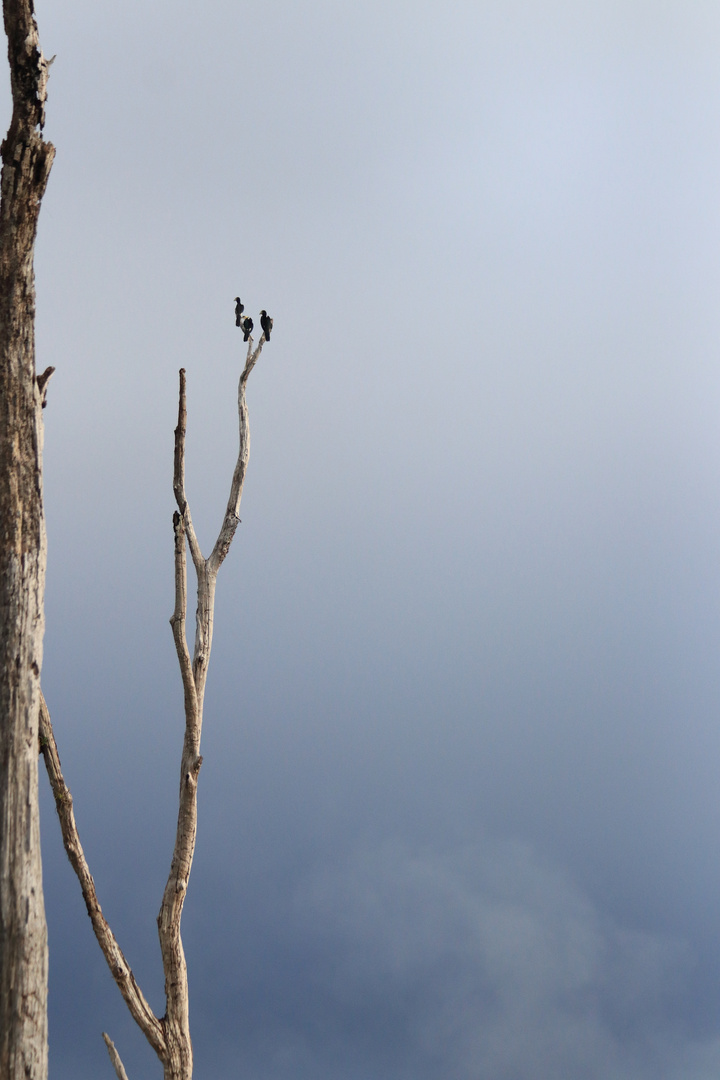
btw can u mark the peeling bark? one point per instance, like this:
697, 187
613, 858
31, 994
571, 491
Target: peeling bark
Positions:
27, 160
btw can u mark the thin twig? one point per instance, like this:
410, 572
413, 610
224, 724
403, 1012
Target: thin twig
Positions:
121, 972
115, 1058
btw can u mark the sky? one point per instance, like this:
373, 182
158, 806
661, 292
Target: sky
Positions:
459, 805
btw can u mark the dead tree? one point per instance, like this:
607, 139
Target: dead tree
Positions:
168, 1035
27, 160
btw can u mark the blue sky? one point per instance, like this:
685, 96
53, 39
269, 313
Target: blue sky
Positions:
459, 807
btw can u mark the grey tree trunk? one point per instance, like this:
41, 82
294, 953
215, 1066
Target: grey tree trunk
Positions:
27, 159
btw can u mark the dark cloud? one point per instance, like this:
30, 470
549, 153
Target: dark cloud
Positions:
483, 962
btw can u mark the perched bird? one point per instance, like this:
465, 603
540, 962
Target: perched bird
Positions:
239, 308
266, 323
247, 325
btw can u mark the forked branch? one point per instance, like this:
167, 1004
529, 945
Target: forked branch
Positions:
169, 1036
193, 678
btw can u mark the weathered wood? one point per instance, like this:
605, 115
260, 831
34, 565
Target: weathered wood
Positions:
121, 971
115, 1058
179, 1063
170, 1035
27, 160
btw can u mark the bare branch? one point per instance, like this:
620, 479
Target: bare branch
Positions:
115, 1058
174, 965
252, 357
170, 1037
177, 1016
42, 381
179, 615
232, 512
177, 1024
179, 476
139, 1008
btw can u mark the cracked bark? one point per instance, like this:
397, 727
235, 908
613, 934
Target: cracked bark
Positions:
27, 160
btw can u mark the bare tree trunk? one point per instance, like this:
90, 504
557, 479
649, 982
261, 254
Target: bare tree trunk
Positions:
169, 1035
27, 159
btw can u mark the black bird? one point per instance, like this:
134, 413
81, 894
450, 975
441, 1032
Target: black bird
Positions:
266, 323
239, 308
247, 325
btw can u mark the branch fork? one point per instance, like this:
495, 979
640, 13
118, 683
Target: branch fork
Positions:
168, 1035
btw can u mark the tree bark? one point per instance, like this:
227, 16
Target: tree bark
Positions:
27, 160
